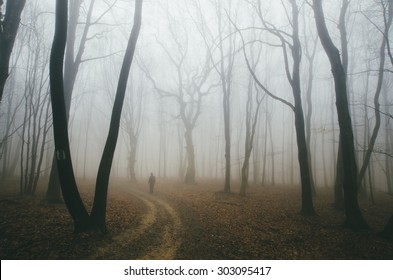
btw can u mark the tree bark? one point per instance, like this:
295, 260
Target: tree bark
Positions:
305, 174
8, 30
338, 185
310, 57
354, 217
190, 172
69, 188
71, 67
98, 212
251, 123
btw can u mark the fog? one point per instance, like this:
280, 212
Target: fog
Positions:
178, 62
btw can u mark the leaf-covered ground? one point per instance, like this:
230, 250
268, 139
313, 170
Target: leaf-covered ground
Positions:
192, 222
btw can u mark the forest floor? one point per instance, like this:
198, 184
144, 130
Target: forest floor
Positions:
191, 222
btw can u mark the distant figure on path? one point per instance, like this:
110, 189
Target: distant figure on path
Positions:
152, 181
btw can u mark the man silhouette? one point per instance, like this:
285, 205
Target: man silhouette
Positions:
152, 181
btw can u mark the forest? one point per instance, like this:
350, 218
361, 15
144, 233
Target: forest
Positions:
266, 128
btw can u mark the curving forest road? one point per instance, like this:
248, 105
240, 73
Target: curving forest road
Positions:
157, 236
197, 222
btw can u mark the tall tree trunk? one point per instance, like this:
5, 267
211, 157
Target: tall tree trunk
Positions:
305, 174
190, 172
71, 67
8, 30
251, 123
265, 147
225, 73
292, 167
338, 186
273, 181
69, 188
182, 165
132, 158
388, 146
227, 133
325, 177
307, 207
310, 58
256, 155
338, 183
354, 217
98, 212
387, 232
376, 98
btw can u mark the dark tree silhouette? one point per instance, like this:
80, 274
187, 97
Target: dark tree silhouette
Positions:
338, 184
294, 81
71, 67
72, 62
99, 206
8, 30
72, 199
69, 187
354, 217
387, 232
382, 55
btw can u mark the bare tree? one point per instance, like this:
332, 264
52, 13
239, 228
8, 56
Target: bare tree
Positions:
9, 24
190, 89
74, 203
309, 53
354, 217
69, 187
387, 232
388, 144
132, 123
36, 121
294, 80
10, 131
251, 122
388, 14
98, 212
338, 184
72, 62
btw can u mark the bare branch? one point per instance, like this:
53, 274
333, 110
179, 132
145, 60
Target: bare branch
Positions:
254, 75
100, 57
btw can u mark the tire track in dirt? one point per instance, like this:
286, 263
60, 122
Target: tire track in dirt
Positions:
158, 235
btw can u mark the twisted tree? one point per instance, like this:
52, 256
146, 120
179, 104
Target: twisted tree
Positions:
72, 199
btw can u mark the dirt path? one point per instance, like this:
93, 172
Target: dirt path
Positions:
157, 236
192, 222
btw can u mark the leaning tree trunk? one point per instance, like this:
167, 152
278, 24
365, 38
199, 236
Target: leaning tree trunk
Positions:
338, 185
69, 188
99, 206
354, 217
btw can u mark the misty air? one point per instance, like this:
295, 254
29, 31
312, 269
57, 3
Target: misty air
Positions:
196, 129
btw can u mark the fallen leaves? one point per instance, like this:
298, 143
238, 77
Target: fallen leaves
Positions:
265, 224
